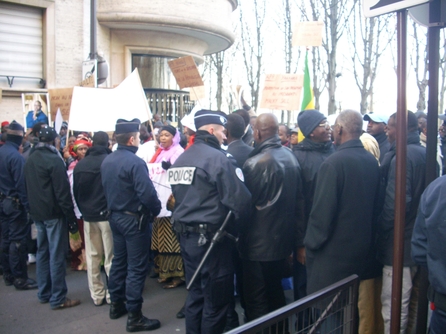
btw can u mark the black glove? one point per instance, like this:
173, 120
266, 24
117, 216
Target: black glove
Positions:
72, 227
166, 165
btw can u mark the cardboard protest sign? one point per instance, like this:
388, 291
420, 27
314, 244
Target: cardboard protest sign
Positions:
308, 33
98, 109
186, 72
197, 93
282, 91
60, 98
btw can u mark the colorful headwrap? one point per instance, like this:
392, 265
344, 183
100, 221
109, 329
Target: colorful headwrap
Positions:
80, 140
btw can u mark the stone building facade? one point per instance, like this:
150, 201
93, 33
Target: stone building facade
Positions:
133, 33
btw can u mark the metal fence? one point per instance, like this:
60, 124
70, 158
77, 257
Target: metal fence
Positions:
331, 310
172, 105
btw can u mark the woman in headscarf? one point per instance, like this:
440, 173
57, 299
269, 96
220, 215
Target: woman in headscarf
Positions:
77, 241
168, 261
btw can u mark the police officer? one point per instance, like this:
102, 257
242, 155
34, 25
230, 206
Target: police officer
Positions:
13, 211
132, 200
206, 185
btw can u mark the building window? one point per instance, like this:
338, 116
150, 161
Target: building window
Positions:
154, 71
21, 46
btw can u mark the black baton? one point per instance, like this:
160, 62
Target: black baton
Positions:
214, 240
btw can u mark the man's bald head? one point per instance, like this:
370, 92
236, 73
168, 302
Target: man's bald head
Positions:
266, 127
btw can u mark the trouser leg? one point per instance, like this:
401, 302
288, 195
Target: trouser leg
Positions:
19, 230
118, 270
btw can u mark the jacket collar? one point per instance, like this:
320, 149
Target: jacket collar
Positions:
309, 145
354, 143
272, 142
381, 138
132, 149
98, 150
207, 138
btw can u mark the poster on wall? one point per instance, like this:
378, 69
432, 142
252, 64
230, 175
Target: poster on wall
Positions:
36, 109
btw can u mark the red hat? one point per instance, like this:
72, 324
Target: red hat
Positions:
5, 123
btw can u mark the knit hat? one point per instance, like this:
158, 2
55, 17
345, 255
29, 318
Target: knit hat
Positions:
205, 117
124, 126
170, 129
47, 134
5, 123
308, 120
14, 126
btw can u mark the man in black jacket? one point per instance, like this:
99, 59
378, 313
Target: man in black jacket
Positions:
51, 208
311, 153
376, 127
132, 201
272, 175
13, 208
90, 198
206, 185
415, 184
236, 147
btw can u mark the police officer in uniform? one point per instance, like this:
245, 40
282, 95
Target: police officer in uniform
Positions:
132, 202
206, 185
13, 211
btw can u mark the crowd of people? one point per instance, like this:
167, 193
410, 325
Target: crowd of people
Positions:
315, 202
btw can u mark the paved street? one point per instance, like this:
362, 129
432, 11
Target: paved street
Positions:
21, 312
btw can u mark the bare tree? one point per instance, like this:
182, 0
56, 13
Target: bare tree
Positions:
251, 43
291, 58
368, 39
335, 16
419, 62
217, 60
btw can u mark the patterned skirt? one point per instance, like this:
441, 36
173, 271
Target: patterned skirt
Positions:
168, 262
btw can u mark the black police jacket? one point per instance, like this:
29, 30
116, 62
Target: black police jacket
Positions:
206, 184
126, 182
272, 175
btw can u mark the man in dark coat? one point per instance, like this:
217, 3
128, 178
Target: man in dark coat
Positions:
51, 208
132, 201
376, 127
235, 128
90, 198
247, 138
206, 186
415, 184
13, 211
311, 153
339, 232
273, 176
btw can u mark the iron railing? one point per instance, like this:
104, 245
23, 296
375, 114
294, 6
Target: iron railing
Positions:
330, 310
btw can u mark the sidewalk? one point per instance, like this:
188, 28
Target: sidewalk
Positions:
21, 312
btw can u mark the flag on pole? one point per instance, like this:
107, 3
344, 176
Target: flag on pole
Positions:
308, 98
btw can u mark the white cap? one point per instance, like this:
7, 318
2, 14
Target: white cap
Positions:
188, 120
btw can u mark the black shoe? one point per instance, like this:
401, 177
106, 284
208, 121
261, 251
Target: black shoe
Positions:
180, 314
153, 273
136, 322
8, 279
117, 310
25, 284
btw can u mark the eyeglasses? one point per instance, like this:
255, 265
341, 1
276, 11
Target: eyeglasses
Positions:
325, 125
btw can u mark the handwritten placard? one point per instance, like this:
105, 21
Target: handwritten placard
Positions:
282, 91
197, 93
186, 72
308, 33
60, 98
